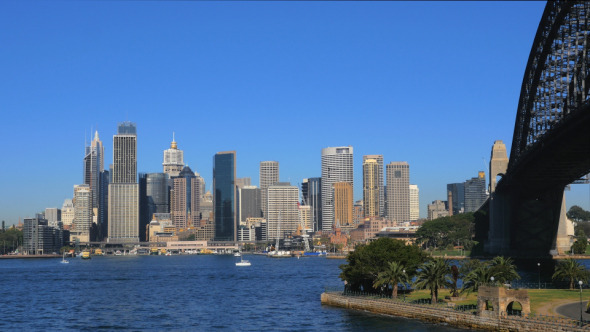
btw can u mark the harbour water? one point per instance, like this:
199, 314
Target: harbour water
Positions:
181, 293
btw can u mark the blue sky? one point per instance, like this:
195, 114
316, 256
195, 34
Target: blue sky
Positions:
430, 83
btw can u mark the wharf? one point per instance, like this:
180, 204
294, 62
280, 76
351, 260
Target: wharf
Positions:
28, 256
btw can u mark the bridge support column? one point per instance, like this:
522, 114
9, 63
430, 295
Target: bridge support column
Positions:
499, 232
565, 231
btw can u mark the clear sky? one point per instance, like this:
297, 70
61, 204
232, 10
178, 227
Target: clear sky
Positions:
430, 83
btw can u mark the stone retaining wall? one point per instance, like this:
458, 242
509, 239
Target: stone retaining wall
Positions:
452, 317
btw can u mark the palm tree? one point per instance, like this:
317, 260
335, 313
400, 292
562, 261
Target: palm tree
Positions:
394, 273
434, 275
478, 276
503, 269
570, 270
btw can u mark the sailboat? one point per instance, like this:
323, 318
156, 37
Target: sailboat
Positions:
242, 262
64, 260
279, 253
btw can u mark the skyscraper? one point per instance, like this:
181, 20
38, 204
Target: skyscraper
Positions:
414, 202
380, 180
337, 166
186, 199
53, 216
457, 191
123, 223
283, 210
398, 191
93, 165
475, 192
250, 203
343, 205
269, 175
311, 191
173, 159
103, 205
224, 196
154, 197
372, 188
82, 213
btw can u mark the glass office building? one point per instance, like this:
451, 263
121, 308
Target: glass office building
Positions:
224, 196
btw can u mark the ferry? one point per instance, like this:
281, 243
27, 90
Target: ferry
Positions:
85, 254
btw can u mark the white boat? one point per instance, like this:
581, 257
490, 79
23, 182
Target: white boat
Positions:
237, 254
118, 253
64, 260
242, 262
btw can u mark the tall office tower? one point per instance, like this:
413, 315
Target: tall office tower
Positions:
269, 175
380, 181
67, 213
224, 196
372, 188
398, 191
154, 197
311, 191
475, 192
283, 210
123, 211
173, 159
305, 218
53, 216
250, 203
82, 213
185, 209
343, 205
336, 167
414, 202
457, 191
243, 182
103, 205
207, 206
93, 165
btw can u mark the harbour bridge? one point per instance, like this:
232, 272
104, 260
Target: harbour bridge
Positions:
551, 142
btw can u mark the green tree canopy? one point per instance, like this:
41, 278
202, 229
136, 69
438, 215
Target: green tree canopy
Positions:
578, 214
445, 231
10, 239
434, 274
367, 261
393, 274
570, 270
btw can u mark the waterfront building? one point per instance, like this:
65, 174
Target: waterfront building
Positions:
457, 193
185, 207
414, 202
437, 209
311, 191
269, 175
154, 197
224, 198
67, 213
398, 191
305, 218
372, 188
82, 213
123, 211
93, 165
173, 159
343, 205
103, 205
379, 181
283, 211
260, 228
250, 203
53, 216
337, 166
39, 238
475, 192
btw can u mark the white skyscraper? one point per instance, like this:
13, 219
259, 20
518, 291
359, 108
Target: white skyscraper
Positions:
82, 213
283, 209
269, 175
398, 191
337, 166
93, 165
173, 159
414, 202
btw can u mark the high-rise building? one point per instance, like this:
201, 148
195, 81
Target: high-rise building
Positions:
123, 221
475, 192
398, 191
372, 188
343, 205
250, 203
311, 191
185, 209
103, 205
53, 216
154, 197
305, 218
283, 210
457, 193
39, 238
380, 181
67, 213
414, 202
269, 175
82, 213
337, 166
173, 159
224, 196
93, 165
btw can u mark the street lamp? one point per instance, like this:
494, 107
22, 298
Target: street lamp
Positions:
404, 272
580, 283
539, 269
492, 279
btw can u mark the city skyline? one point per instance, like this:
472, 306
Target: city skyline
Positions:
427, 83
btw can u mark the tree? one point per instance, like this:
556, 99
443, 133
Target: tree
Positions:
570, 270
366, 261
480, 275
447, 231
433, 274
393, 274
579, 246
578, 214
503, 270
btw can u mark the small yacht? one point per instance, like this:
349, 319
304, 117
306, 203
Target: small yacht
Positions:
64, 260
243, 262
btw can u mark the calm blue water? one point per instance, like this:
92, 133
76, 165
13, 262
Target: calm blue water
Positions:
188, 293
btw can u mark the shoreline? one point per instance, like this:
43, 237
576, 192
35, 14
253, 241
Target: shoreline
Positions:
28, 256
